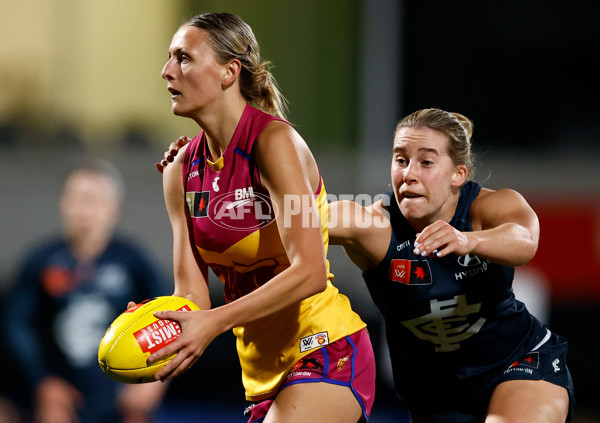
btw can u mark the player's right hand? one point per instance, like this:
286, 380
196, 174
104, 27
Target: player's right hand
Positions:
198, 329
172, 152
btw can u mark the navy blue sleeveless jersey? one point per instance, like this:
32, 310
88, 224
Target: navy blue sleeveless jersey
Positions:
447, 319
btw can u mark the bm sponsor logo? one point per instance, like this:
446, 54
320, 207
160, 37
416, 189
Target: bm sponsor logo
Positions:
240, 210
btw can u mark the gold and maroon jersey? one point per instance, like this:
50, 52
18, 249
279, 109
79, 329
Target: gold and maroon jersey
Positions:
237, 237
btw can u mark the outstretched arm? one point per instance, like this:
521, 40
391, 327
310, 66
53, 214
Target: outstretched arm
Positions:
505, 231
364, 232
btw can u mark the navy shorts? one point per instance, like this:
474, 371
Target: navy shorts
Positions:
471, 396
546, 361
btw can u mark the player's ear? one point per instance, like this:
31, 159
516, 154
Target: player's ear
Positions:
460, 175
232, 73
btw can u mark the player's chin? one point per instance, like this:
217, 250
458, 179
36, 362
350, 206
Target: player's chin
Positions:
417, 217
176, 105
411, 210
176, 109
181, 112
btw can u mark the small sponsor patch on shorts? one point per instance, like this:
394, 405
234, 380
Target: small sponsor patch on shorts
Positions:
525, 364
314, 341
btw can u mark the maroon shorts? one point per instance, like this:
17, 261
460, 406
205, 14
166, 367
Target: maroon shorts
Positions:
346, 362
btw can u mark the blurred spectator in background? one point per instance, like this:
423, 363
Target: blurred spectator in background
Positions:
67, 292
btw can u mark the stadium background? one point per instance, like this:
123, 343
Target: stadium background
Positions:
84, 77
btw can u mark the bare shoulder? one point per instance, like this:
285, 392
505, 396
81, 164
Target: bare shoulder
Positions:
281, 142
278, 133
501, 197
283, 154
493, 207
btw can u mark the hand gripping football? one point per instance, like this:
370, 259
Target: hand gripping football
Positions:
135, 334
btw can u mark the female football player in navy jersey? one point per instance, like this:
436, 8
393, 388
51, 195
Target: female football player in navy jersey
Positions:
438, 259
245, 198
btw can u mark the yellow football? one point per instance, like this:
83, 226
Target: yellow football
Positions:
135, 334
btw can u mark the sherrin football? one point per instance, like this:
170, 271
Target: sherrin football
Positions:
135, 334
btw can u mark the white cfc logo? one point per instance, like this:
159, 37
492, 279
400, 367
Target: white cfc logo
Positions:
447, 325
215, 187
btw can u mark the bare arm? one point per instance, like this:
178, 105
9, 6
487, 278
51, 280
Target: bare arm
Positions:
510, 228
505, 231
363, 232
190, 272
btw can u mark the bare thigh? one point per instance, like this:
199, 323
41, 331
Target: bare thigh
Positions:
528, 401
314, 402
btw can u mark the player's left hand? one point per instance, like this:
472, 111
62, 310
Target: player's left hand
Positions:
440, 239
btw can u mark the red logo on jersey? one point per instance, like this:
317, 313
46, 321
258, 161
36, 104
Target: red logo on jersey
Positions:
400, 271
410, 272
420, 272
197, 202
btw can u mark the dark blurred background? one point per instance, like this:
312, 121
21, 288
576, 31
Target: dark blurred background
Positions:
81, 78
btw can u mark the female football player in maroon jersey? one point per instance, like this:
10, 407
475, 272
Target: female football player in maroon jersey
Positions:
245, 198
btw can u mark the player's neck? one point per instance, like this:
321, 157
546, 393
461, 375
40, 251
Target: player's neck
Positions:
220, 126
88, 247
